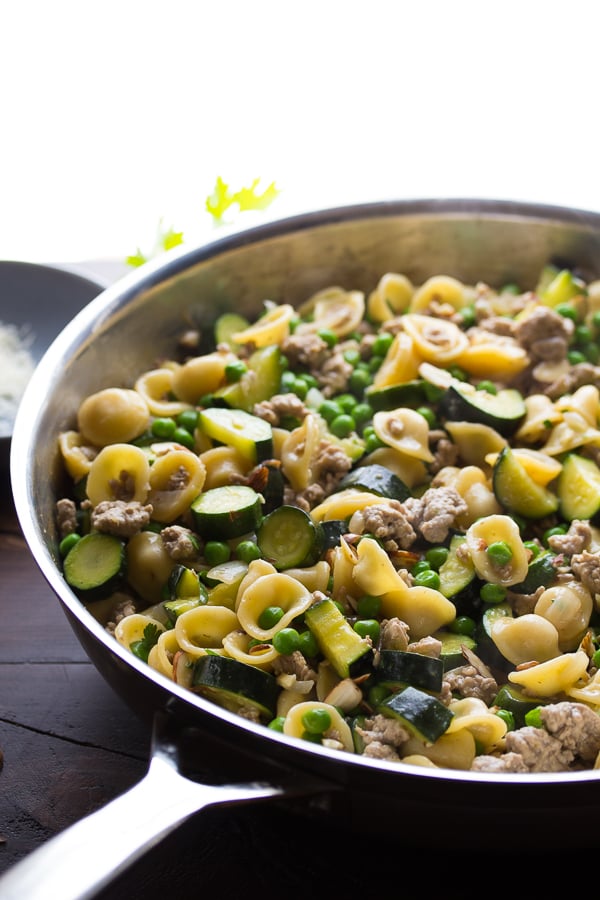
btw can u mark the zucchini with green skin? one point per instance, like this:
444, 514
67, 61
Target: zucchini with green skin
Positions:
251, 436
578, 488
226, 512
451, 653
96, 565
287, 537
377, 479
503, 411
513, 699
458, 580
260, 382
486, 648
517, 492
399, 668
541, 572
422, 714
411, 394
235, 685
185, 591
349, 653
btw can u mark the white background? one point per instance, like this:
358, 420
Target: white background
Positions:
117, 114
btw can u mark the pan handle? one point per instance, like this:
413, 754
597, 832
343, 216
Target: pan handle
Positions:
80, 861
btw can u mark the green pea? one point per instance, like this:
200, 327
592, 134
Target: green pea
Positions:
372, 442
468, 316
188, 419
510, 288
557, 529
368, 607
368, 628
277, 723
247, 551
487, 386
359, 380
382, 343
361, 413
288, 379
592, 353
346, 402
508, 717
428, 579
493, 593
533, 547
68, 542
583, 334
310, 380
533, 717
316, 721
163, 427
307, 644
286, 641
352, 355
329, 409
182, 436
235, 370
436, 557
596, 319
575, 357
458, 373
423, 565
269, 617
500, 553
375, 363
329, 336
428, 414
300, 388
463, 625
567, 311
216, 552
342, 425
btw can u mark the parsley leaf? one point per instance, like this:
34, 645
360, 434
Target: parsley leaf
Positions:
166, 238
143, 647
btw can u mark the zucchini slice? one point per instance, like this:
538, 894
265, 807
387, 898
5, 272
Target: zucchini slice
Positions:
516, 490
541, 572
288, 537
235, 685
260, 382
227, 512
250, 435
349, 654
503, 411
413, 394
399, 668
378, 479
96, 564
512, 698
578, 488
421, 713
451, 653
458, 579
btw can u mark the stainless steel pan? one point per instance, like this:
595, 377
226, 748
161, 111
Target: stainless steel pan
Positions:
122, 332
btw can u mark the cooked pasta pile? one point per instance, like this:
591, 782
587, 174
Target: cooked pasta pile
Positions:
369, 522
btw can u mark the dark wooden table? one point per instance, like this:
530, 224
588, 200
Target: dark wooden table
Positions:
70, 745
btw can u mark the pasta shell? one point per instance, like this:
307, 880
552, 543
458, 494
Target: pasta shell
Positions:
201, 375
342, 504
436, 340
525, 638
405, 430
391, 296
424, 609
162, 654
475, 441
237, 644
298, 452
569, 607
76, 454
148, 565
119, 472
113, 415
222, 465
498, 360
270, 329
336, 310
131, 628
453, 750
539, 466
339, 730
176, 478
271, 590
409, 469
440, 289
540, 416
497, 528
472, 714
555, 676
374, 572
204, 628
400, 364
585, 401
156, 387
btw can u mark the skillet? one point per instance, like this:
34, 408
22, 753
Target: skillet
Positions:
201, 753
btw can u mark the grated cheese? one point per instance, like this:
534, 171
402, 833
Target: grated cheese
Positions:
16, 367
